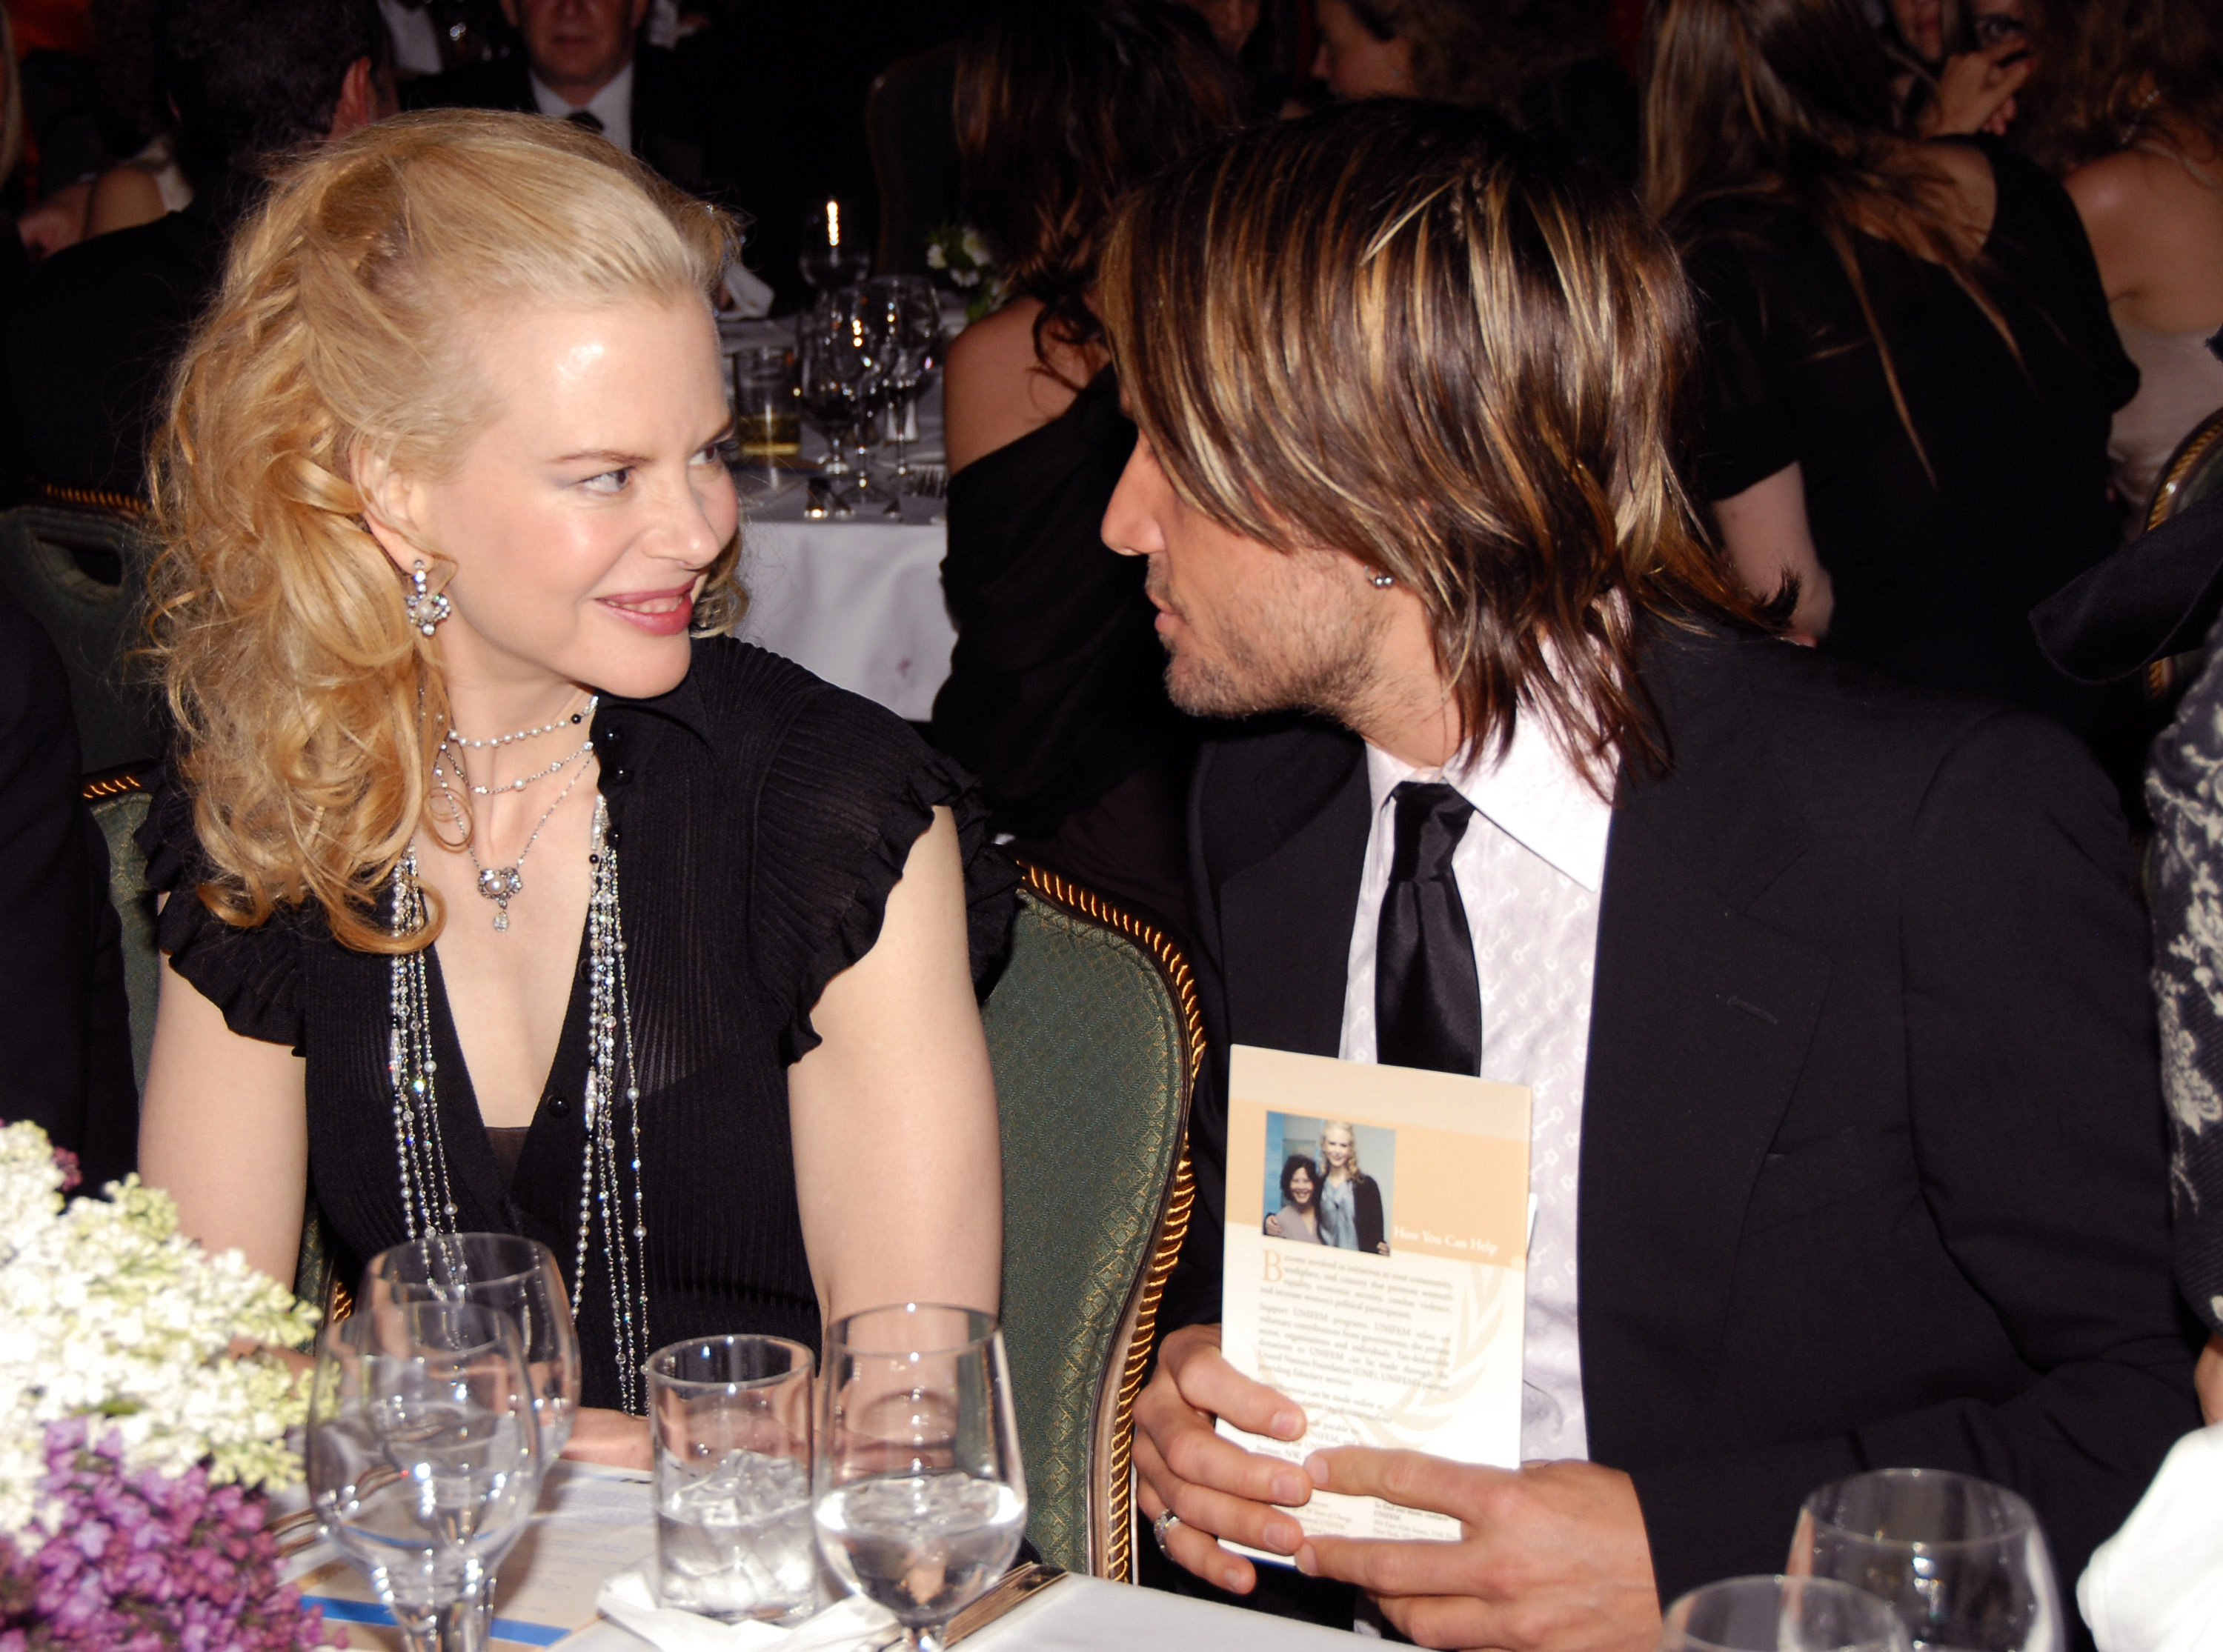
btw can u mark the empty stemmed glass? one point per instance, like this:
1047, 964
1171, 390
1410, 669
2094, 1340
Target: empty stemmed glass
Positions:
918, 1496
844, 354
909, 317
1961, 1560
1779, 1615
423, 1461
833, 254
512, 1275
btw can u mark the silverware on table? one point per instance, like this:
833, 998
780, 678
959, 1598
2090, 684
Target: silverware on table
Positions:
1019, 1583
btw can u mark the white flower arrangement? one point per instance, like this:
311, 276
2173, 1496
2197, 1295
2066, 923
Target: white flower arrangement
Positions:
957, 254
108, 1313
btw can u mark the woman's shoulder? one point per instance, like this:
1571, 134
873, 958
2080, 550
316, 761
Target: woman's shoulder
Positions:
996, 389
841, 790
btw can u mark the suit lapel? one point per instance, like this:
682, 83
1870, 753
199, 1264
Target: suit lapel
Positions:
1285, 922
1700, 1021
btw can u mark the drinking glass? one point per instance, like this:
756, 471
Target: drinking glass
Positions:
833, 254
424, 1461
767, 405
1780, 1614
918, 1496
515, 1275
1961, 1561
732, 1420
846, 349
909, 316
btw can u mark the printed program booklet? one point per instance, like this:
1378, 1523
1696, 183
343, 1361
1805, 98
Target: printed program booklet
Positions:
1412, 1339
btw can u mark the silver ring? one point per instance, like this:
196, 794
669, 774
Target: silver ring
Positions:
1159, 1526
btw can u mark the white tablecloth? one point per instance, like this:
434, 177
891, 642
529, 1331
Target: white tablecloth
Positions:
857, 602
1077, 1614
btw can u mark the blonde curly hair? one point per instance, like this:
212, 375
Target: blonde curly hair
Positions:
309, 706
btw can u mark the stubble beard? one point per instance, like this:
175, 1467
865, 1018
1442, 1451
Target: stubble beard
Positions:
1304, 646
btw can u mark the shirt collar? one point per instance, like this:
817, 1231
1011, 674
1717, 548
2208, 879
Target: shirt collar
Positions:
1533, 794
611, 105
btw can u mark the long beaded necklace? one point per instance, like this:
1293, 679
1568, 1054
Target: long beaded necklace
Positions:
428, 1205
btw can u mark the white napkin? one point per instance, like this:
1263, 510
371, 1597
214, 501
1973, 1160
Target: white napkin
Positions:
2157, 1586
751, 297
628, 1598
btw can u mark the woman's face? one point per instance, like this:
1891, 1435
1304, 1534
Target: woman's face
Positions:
1335, 1146
1920, 24
587, 507
1355, 64
1301, 1188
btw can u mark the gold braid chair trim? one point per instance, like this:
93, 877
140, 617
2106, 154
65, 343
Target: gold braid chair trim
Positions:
94, 498
1117, 1559
2162, 675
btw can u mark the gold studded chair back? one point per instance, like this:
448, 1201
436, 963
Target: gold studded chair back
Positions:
2194, 471
1096, 1039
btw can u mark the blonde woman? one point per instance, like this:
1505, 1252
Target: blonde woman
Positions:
1349, 1199
672, 948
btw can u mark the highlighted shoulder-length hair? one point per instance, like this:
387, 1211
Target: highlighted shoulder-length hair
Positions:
1405, 331
308, 706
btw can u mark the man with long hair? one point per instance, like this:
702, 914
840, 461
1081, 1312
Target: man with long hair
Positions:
1848, 1142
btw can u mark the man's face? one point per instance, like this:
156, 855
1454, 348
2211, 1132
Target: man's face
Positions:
576, 43
1249, 628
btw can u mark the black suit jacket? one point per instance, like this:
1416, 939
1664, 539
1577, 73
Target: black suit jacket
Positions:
671, 118
1873, 1162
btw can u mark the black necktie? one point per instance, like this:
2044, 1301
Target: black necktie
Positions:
1427, 1001
585, 117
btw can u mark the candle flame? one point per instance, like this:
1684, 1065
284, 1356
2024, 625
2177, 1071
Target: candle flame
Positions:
833, 223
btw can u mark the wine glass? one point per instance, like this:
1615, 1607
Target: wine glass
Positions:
852, 352
512, 1275
909, 316
1960, 1560
833, 254
423, 1461
1780, 1614
918, 1496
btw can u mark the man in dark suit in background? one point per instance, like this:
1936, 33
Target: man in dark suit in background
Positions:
584, 60
1848, 1145
89, 345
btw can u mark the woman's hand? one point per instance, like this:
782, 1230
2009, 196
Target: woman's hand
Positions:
610, 1438
1976, 92
1215, 1487
1273, 1227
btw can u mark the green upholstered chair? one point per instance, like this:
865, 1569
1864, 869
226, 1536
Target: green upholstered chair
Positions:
2193, 473
911, 127
78, 563
119, 804
1096, 1039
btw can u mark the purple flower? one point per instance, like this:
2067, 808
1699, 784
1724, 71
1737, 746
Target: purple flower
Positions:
147, 1563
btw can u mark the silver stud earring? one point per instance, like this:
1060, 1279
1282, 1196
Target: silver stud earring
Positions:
1382, 582
425, 608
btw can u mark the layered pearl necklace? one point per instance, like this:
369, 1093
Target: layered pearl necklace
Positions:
501, 884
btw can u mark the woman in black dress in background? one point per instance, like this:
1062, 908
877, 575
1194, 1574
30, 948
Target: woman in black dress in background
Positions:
1056, 696
1910, 366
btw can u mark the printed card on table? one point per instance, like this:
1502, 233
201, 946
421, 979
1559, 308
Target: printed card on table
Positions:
1393, 1312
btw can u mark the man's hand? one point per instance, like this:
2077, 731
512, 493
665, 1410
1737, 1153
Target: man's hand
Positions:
1553, 1557
1216, 1488
57, 222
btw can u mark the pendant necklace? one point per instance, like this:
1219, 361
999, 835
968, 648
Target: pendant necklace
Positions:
500, 884
612, 1147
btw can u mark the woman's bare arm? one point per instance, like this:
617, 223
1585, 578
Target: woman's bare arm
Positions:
1767, 534
225, 1130
898, 1168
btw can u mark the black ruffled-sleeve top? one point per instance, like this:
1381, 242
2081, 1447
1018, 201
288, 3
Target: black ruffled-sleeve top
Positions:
762, 816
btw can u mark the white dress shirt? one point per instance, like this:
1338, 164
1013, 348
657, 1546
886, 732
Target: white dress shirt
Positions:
612, 106
1529, 869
